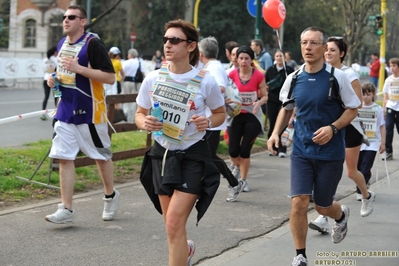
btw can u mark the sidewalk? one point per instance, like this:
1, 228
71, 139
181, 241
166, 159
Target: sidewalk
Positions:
370, 240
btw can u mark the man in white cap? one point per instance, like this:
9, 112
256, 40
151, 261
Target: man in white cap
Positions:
115, 55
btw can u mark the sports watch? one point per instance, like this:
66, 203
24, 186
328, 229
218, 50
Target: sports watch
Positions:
334, 129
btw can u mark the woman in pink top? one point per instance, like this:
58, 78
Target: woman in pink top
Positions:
245, 127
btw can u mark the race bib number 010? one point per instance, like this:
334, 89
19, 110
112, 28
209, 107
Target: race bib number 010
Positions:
175, 100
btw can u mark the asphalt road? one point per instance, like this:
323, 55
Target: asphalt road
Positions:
20, 101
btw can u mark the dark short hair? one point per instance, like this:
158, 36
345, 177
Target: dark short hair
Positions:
83, 12
247, 50
231, 45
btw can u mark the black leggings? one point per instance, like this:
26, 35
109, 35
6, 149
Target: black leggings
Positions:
242, 135
47, 90
213, 138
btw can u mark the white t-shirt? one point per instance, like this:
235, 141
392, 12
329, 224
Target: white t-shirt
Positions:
352, 76
215, 68
350, 73
375, 144
391, 83
130, 67
207, 95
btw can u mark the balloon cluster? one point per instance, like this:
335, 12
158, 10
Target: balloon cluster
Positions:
273, 12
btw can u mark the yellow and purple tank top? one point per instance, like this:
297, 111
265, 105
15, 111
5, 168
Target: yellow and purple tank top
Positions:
83, 99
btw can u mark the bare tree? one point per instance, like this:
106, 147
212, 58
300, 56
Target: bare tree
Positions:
356, 14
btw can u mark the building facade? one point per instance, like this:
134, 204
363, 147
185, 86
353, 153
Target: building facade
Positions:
35, 26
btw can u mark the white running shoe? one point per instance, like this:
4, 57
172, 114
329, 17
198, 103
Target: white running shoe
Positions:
320, 224
245, 186
111, 206
61, 216
339, 230
359, 196
234, 192
367, 205
191, 251
282, 154
300, 260
236, 172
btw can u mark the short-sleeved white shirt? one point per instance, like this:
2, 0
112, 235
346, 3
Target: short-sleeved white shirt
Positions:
207, 95
394, 105
375, 144
350, 73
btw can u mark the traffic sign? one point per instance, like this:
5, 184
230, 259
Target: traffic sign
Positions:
133, 36
251, 6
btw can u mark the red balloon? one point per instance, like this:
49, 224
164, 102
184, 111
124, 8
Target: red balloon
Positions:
273, 13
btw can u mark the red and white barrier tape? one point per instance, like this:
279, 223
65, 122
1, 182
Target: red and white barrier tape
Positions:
23, 116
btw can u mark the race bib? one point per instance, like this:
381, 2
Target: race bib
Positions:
248, 98
394, 91
68, 78
49, 67
368, 119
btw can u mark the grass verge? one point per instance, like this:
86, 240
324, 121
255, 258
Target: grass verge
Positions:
23, 162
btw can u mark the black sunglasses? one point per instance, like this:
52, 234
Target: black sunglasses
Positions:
174, 40
70, 17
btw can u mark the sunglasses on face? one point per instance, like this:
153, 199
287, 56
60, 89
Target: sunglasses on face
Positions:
174, 40
70, 17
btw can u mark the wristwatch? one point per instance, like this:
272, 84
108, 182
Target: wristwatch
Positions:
209, 122
334, 129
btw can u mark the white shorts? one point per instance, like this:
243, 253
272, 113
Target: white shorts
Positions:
92, 139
